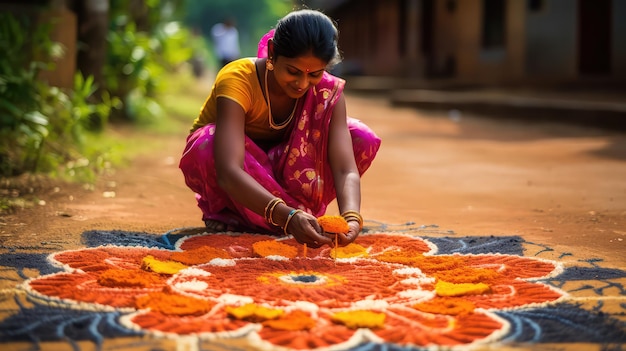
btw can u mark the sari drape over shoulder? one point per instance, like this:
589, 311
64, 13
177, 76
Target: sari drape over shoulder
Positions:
296, 169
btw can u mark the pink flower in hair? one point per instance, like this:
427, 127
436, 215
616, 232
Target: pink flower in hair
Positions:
262, 50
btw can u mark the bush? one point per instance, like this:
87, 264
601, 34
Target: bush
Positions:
138, 57
41, 126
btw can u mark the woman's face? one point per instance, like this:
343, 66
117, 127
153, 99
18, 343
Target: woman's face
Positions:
296, 75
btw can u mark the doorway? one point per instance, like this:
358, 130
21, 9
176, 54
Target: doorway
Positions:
594, 37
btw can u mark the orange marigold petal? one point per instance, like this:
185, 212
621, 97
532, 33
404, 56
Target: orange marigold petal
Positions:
118, 278
173, 304
199, 255
448, 306
466, 275
272, 247
397, 257
333, 224
296, 320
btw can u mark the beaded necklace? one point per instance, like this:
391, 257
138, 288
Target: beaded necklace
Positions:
269, 106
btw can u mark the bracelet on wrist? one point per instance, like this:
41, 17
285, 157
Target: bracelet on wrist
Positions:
269, 210
353, 216
289, 217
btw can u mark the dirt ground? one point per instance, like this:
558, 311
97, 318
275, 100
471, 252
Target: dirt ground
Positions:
554, 184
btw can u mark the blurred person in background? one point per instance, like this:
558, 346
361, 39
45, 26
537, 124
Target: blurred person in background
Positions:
272, 146
226, 41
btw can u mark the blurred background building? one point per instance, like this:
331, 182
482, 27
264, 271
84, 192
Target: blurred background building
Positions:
483, 41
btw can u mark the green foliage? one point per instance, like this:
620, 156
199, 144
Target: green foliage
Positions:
72, 125
143, 44
41, 127
253, 18
23, 128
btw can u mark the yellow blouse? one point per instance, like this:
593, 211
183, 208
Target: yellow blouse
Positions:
239, 82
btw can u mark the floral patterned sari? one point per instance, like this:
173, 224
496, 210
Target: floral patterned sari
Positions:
296, 170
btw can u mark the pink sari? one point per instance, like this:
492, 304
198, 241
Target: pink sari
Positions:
296, 170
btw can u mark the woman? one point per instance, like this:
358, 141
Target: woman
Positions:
272, 146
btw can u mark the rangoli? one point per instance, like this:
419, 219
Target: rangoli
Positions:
384, 289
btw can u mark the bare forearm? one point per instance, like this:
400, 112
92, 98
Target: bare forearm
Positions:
245, 190
349, 192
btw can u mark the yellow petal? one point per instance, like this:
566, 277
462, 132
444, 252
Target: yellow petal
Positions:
360, 319
253, 312
348, 251
149, 263
450, 289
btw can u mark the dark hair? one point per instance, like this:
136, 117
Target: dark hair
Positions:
304, 31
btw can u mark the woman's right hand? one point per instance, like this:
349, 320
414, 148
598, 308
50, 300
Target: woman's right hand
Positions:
351, 235
306, 230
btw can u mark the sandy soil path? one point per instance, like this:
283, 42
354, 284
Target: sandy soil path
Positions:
560, 185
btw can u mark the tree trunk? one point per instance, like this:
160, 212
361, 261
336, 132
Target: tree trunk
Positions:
93, 25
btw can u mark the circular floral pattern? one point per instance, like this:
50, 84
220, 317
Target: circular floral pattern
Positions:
394, 290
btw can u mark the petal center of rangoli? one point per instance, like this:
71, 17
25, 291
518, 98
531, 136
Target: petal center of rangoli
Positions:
303, 279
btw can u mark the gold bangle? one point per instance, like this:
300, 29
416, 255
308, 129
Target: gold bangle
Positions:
271, 215
353, 215
289, 217
269, 209
268, 206
356, 213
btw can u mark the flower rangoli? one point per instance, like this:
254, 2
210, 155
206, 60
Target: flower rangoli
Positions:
384, 288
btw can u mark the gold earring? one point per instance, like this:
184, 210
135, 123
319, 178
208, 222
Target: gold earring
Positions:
269, 65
